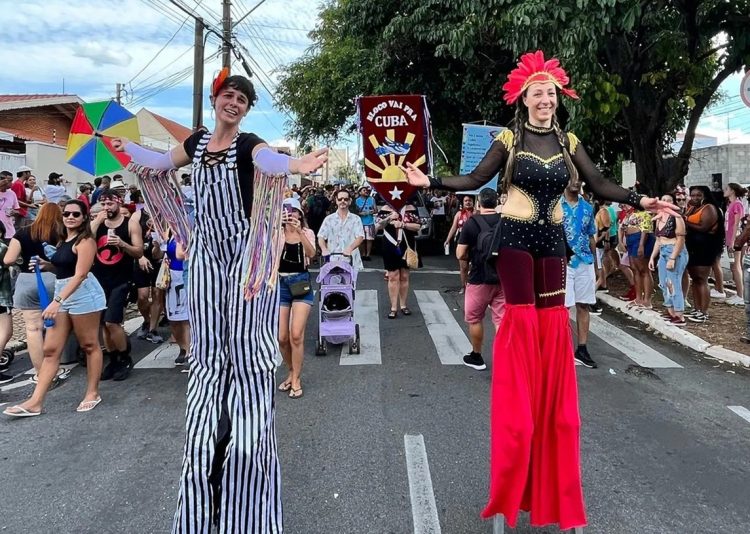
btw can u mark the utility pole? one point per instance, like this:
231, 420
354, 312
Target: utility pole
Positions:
198, 75
119, 93
227, 33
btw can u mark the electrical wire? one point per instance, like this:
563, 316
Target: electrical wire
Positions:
163, 47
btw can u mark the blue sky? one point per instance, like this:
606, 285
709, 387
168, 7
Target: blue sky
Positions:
91, 45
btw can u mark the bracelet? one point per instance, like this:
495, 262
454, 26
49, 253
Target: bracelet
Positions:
672, 259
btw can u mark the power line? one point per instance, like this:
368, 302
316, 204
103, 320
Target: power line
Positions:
163, 47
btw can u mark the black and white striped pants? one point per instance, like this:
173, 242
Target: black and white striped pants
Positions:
234, 344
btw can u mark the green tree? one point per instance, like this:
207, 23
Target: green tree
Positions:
644, 68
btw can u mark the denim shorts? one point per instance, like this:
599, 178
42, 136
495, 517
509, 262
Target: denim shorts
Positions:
286, 297
26, 294
88, 298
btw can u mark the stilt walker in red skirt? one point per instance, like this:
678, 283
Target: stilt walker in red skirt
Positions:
535, 424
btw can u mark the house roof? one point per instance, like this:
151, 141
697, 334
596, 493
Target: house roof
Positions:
178, 131
8, 102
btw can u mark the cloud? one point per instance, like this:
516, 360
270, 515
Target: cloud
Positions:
102, 55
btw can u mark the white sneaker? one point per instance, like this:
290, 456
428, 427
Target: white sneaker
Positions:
716, 295
735, 301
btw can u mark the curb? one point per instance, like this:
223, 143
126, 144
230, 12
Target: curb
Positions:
675, 333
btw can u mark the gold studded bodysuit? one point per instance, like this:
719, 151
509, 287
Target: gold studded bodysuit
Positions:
532, 215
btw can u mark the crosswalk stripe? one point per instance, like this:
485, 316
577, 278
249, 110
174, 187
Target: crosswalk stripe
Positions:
741, 411
450, 341
160, 358
367, 316
423, 508
634, 349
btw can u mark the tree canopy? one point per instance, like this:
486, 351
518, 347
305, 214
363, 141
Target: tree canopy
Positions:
644, 69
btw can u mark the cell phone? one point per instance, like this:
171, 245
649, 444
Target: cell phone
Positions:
110, 232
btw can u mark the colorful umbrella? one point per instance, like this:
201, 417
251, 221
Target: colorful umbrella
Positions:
89, 146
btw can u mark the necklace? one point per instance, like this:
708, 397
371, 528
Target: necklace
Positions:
538, 129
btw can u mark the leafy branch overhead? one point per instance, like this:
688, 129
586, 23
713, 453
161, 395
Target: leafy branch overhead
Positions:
644, 69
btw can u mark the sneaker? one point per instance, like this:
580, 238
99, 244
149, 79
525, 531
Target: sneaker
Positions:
112, 366
582, 355
475, 361
5, 378
676, 321
595, 309
154, 337
123, 369
735, 301
143, 331
717, 295
697, 317
181, 358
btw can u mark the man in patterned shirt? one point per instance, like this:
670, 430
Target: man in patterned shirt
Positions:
580, 290
342, 231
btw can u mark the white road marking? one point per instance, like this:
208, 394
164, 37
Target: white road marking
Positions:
160, 358
28, 382
634, 349
450, 341
741, 411
131, 325
423, 507
368, 317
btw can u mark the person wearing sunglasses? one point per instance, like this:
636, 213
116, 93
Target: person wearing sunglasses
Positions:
77, 305
342, 231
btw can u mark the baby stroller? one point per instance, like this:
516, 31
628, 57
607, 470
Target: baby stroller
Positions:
336, 321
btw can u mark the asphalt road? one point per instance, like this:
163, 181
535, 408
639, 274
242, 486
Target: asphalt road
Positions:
662, 452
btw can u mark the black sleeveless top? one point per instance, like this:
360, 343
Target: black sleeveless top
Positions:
65, 260
292, 258
113, 266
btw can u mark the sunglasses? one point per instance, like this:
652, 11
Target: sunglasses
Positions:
75, 214
344, 199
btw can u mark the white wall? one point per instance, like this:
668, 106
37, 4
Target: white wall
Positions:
11, 162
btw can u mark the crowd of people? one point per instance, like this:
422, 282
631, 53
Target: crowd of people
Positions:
74, 265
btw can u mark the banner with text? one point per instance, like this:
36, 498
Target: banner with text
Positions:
475, 143
394, 130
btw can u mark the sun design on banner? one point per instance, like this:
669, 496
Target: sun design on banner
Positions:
391, 155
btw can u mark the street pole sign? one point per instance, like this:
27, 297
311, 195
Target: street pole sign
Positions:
745, 89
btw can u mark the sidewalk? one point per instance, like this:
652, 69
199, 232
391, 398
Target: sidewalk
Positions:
652, 319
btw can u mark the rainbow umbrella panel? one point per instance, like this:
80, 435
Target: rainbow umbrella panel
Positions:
89, 146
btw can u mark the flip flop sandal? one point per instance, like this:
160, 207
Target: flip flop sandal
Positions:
405, 311
87, 406
295, 393
20, 411
285, 386
392, 314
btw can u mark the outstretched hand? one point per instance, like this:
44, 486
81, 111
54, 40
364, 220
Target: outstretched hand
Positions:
118, 143
654, 205
415, 176
310, 162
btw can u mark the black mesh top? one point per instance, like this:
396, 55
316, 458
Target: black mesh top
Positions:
544, 144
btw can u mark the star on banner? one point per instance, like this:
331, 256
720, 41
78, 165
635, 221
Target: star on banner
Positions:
395, 193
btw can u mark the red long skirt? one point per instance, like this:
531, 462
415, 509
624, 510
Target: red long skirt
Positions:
535, 424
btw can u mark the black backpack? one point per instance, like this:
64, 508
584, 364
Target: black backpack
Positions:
487, 248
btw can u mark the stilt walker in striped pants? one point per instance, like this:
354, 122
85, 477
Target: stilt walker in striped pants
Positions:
230, 474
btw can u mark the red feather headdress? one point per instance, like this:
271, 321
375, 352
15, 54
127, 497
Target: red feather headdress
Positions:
219, 81
532, 68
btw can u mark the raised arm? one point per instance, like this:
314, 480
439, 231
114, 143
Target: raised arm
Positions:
596, 181
492, 163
